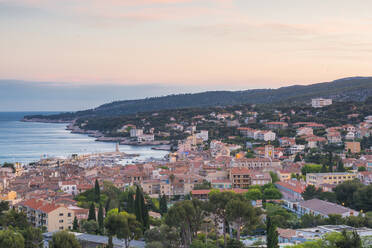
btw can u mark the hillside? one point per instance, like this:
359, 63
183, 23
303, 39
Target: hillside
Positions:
356, 89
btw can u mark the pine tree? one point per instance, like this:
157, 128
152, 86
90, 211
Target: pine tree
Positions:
271, 234
75, 224
92, 212
97, 192
324, 168
100, 219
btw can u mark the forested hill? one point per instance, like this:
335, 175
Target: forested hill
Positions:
356, 89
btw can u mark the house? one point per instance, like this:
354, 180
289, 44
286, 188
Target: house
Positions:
276, 125
334, 137
314, 141
266, 135
53, 217
286, 141
69, 187
202, 194
221, 184
203, 134
260, 178
306, 131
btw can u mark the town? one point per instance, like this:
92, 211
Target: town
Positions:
237, 176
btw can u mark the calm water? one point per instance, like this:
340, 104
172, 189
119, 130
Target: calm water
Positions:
26, 141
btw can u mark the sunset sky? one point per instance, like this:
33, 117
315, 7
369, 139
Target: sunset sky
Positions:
193, 44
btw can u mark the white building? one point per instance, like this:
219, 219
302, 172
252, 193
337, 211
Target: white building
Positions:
266, 135
320, 102
68, 187
145, 138
134, 132
202, 135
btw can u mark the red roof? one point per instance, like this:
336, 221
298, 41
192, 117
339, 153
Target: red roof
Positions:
294, 186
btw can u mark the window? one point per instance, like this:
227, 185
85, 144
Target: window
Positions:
69, 215
61, 228
60, 214
60, 221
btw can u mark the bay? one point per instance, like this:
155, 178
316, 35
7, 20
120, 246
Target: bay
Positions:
27, 142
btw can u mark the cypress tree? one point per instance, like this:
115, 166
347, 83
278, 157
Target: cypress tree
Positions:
138, 206
92, 212
271, 234
163, 205
75, 224
97, 192
340, 166
100, 219
145, 213
141, 211
130, 203
107, 206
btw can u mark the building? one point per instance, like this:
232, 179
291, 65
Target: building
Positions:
203, 134
353, 147
307, 131
291, 190
68, 187
334, 178
134, 132
320, 102
260, 178
276, 125
319, 207
266, 135
256, 163
145, 138
53, 217
334, 137
240, 177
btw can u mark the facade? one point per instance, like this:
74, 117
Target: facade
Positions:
320, 102
52, 216
353, 147
317, 179
240, 177
291, 190
256, 163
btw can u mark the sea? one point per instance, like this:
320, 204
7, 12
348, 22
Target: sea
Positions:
27, 142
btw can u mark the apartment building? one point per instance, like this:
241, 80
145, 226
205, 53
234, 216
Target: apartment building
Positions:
333, 178
240, 177
53, 217
320, 102
353, 147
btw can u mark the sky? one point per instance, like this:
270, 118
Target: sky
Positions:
157, 47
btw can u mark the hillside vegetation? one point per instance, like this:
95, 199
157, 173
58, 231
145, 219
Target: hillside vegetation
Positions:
347, 89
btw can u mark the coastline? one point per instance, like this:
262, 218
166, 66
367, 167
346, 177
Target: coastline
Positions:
100, 137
